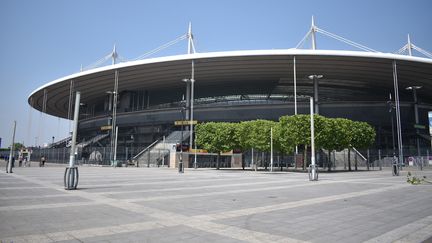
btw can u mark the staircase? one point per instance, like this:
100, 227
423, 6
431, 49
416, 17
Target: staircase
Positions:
95, 139
157, 153
340, 159
60, 143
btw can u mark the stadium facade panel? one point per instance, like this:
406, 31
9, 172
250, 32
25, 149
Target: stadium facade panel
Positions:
245, 85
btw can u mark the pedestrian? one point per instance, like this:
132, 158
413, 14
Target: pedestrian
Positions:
20, 159
42, 161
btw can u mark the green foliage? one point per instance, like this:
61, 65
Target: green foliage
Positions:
363, 135
216, 137
415, 180
286, 139
295, 130
336, 134
18, 146
242, 135
259, 134
290, 131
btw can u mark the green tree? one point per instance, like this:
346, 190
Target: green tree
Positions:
216, 137
285, 135
18, 146
337, 135
242, 138
259, 135
363, 136
295, 131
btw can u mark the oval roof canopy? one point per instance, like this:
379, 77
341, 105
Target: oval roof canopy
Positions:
346, 74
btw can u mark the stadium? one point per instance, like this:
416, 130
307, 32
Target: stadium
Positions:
145, 97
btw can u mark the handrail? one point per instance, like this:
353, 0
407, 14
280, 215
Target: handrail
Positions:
63, 140
146, 149
361, 155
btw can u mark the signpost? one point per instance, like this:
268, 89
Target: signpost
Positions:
105, 128
185, 122
418, 126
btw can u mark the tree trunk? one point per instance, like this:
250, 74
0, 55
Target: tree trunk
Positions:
217, 160
355, 161
329, 163
349, 159
243, 161
264, 160
279, 161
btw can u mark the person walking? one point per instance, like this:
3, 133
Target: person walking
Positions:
42, 161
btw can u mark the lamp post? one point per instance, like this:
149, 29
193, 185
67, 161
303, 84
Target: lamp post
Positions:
313, 173
391, 107
315, 108
71, 172
181, 169
416, 116
112, 106
315, 78
11, 154
191, 107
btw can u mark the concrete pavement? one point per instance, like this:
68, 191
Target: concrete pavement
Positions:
160, 205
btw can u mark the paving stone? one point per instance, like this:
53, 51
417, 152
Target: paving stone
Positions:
160, 205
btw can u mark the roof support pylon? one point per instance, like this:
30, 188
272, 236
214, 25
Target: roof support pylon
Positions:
114, 55
313, 33
409, 46
191, 46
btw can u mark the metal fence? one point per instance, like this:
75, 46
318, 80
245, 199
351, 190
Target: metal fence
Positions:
372, 159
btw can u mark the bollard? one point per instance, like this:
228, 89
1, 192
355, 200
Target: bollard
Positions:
71, 178
379, 159
395, 166
313, 172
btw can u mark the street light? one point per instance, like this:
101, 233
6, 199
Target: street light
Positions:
191, 103
181, 169
313, 172
112, 105
315, 78
71, 172
416, 116
391, 107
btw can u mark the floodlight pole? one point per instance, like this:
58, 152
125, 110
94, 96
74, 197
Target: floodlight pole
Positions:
11, 154
71, 172
114, 116
180, 168
195, 154
271, 149
416, 115
313, 175
295, 85
314, 78
192, 82
115, 146
398, 121
191, 50
295, 101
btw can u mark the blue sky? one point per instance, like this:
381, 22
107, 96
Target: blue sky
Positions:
43, 40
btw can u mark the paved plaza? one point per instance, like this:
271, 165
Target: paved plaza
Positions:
206, 205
